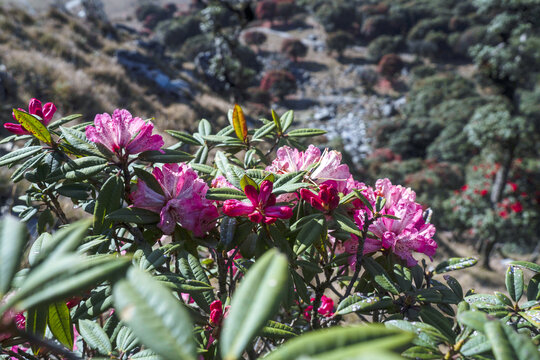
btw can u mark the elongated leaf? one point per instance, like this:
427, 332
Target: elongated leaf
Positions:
12, 240
514, 282
527, 265
126, 340
499, 342
98, 302
222, 194
359, 303
65, 276
95, 336
309, 233
36, 323
264, 130
183, 137
178, 283
168, 156
347, 224
78, 143
63, 241
532, 316
60, 323
341, 343
438, 320
33, 125
149, 180
533, 289
145, 355
305, 132
191, 268
156, 317
455, 264
521, 344
420, 352
277, 122
19, 154
108, 200
275, 330
79, 169
28, 164
56, 124
427, 335
255, 302
134, 215
380, 276
239, 123
477, 344
403, 276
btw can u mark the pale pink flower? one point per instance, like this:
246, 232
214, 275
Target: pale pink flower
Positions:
261, 207
45, 112
322, 167
123, 134
184, 200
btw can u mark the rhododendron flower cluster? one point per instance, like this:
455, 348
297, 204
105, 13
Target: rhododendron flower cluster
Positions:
261, 207
404, 232
182, 199
326, 200
322, 167
45, 112
123, 134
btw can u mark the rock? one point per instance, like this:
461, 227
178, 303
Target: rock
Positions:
388, 110
325, 113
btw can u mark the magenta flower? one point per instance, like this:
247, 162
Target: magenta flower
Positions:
184, 200
122, 132
326, 308
216, 312
326, 200
261, 207
45, 112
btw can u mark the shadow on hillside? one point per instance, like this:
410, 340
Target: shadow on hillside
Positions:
346, 60
311, 66
299, 104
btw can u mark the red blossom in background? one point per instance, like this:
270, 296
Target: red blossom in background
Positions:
45, 112
262, 207
516, 207
326, 308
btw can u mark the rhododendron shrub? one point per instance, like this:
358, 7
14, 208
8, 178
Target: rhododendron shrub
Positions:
246, 244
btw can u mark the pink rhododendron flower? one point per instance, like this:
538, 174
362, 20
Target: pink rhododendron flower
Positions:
326, 308
221, 182
261, 207
323, 167
123, 134
183, 200
326, 200
216, 313
45, 112
403, 236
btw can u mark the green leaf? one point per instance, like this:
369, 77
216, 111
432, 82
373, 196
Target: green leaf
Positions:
502, 350
309, 132
533, 289
380, 276
60, 323
255, 302
310, 232
167, 157
204, 169
78, 191
36, 323
156, 317
108, 200
191, 268
95, 336
19, 154
514, 282
277, 122
532, 316
98, 302
246, 180
455, 264
403, 276
134, 215
364, 200
420, 352
149, 180
379, 203
263, 131
78, 169
427, 335
184, 137
342, 343
145, 355
286, 120
204, 127
33, 125
347, 224
12, 240
275, 330
66, 276
56, 124
178, 283
360, 303
126, 339
476, 344
27, 165
527, 265
78, 142
435, 318
454, 285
